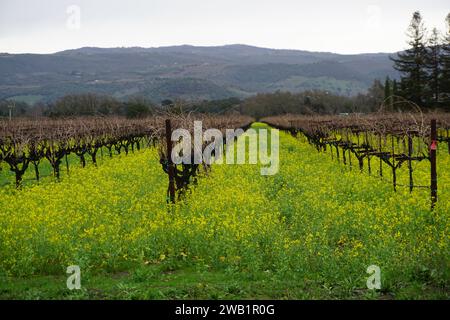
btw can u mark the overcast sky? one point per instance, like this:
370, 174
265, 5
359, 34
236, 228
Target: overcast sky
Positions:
345, 26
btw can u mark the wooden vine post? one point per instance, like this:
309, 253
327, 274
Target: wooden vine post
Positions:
170, 167
410, 168
433, 151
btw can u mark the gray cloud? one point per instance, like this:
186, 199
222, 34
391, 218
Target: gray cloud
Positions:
344, 26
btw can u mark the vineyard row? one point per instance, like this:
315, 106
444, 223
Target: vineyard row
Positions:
28, 142
394, 140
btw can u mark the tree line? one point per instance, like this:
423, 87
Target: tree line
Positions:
424, 68
260, 105
86, 104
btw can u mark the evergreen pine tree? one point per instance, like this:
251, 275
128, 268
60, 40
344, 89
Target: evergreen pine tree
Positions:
411, 63
395, 94
388, 93
445, 72
433, 64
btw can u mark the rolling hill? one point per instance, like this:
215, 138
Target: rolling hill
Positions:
186, 72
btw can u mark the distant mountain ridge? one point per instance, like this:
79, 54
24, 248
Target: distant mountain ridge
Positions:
188, 72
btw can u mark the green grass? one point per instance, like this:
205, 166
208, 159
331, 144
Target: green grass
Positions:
160, 283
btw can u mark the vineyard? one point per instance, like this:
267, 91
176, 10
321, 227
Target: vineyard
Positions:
351, 191
25, 143
376, 141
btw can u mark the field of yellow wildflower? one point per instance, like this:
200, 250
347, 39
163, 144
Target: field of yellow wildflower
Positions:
309, 231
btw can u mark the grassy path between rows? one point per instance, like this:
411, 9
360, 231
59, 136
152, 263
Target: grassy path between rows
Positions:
308, 232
